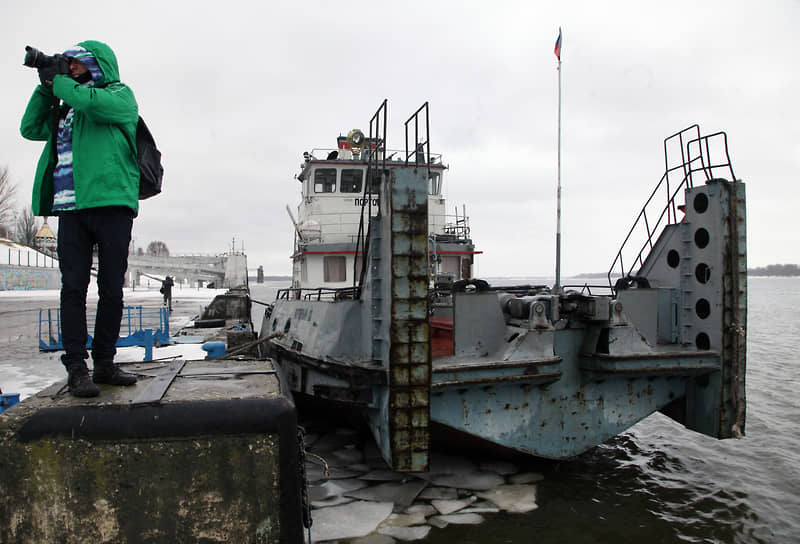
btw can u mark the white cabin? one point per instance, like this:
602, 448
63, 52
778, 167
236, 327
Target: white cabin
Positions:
329, 214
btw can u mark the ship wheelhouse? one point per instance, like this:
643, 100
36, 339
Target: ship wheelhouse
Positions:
336, 190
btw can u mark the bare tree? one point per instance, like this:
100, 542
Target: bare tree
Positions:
6, 202
157, 249
26, 228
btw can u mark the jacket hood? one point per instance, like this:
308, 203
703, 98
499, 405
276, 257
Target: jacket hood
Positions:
106, 59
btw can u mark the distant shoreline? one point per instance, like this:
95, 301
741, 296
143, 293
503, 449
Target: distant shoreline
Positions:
783, 270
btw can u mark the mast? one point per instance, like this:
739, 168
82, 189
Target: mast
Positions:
557, 287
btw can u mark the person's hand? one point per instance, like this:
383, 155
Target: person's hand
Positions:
47, 73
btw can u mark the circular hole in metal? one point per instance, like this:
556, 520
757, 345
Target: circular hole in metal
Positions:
702, 272
701, 238
700, 202
673, 258
702, 341
702, 308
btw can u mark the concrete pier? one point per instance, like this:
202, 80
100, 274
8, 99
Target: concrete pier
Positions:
197, 451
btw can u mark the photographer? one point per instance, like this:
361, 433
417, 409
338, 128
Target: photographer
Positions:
88, 176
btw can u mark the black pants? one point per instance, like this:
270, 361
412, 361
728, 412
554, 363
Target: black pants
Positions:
78, 231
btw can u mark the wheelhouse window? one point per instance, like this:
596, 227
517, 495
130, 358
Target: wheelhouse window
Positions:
351, 180
325, 180
335, 269
435, 184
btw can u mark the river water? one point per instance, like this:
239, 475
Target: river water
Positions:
657, 483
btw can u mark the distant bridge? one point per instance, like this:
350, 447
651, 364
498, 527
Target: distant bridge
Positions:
225, 271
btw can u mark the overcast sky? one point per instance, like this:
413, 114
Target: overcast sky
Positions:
234, 92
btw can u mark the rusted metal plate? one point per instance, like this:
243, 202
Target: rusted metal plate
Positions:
409, 332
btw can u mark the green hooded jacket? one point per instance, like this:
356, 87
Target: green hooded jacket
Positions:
104, 167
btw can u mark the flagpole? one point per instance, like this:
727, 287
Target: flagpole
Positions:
557, 287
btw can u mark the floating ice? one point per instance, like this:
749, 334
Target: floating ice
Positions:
470, 479
456, 519
374, 539
483, 507
404, 520
450, 506
331, 501
512, 498
406, 533
402, 494
332, 488
438, 493
424, 509
352, 520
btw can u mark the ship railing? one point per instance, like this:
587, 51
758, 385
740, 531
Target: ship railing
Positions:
343, 227
419, 152
318, 293
456, 225
392, 155
698, 159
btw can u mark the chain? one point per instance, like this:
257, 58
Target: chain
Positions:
301, 469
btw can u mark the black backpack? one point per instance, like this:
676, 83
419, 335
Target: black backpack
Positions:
151, 173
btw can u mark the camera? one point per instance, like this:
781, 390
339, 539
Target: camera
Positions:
59, 64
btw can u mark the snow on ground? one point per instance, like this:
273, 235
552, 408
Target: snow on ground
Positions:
26, 370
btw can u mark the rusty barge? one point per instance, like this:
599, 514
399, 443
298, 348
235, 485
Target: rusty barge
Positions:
384, 316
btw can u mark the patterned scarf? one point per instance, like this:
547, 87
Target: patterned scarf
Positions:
63, 182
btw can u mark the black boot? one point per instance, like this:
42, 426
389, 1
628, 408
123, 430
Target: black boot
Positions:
111, 374
80, 385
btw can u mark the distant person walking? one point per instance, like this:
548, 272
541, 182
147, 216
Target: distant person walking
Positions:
166, 290
88, 176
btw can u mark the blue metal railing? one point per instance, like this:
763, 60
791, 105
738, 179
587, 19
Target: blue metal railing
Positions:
140, 326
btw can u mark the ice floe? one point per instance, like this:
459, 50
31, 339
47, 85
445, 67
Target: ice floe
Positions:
456, 519
406, 533
358, 518
360, 501
512, 498
402, 494
471, 479
450, 506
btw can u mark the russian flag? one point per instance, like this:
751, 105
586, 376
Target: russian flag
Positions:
557, 49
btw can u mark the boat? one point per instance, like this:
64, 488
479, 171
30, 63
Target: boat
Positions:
384, 316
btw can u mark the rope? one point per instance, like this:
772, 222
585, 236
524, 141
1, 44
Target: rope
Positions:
247, 346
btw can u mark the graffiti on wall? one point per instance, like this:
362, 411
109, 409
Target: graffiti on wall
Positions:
23, 278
